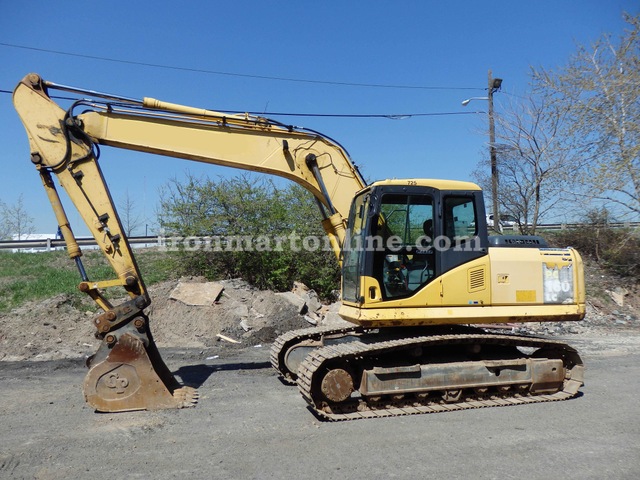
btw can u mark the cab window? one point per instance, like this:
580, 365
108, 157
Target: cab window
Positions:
405, 261
459, 218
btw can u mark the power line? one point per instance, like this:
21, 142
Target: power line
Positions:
390, 116
232, 74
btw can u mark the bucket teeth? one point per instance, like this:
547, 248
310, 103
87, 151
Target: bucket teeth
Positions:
186, 397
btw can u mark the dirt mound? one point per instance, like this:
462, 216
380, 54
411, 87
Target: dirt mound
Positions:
59, 328
242, 313
48, 329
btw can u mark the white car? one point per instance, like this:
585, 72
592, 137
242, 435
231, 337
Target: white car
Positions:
505, 221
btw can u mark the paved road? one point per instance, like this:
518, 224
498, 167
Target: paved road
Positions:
248, 425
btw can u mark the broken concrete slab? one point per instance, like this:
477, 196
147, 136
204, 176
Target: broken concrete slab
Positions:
311, 320
197, 294
308, 295
618, 295
295, 300
238, 309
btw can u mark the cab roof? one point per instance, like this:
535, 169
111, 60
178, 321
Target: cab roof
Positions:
428, 182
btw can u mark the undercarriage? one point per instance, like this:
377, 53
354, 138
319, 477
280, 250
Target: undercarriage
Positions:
353, 373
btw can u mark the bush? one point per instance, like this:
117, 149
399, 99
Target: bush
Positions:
615, 249
250, 208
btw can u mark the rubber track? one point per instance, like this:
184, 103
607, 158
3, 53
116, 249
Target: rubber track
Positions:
349, 351
287, 340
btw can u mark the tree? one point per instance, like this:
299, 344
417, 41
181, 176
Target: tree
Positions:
15, 221
128, 215
599, 89
5, 232
530, 159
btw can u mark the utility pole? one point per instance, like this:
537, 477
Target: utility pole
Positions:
494, 85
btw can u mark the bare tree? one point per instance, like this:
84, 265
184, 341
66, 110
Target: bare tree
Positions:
599, 89
5, 232
128, 214
530, 159
15, 221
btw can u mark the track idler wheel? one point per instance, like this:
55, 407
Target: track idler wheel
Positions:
337, 385
125, 374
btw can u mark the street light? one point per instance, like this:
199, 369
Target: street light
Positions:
466, 102
494, 86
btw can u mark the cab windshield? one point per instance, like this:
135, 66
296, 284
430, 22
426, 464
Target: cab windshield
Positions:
353, 251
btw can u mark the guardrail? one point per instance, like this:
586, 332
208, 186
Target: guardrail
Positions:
51, 243
567, 226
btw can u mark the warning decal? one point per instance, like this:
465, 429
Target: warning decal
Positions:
557, 283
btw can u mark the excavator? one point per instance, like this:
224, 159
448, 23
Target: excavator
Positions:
424, 286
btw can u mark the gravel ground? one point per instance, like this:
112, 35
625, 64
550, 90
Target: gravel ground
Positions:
248, 425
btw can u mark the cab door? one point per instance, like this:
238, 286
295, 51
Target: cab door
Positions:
462, 235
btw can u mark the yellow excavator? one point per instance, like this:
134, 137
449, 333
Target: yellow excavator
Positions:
420, 273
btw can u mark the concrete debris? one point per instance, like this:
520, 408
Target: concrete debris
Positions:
299, 288
618, 295
239, 309
309, 296
295, 300
330, 315
197, 293
312, 321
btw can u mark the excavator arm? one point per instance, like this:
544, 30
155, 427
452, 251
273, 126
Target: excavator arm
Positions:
127, 372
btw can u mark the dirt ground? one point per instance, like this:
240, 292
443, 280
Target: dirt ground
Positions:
248, 425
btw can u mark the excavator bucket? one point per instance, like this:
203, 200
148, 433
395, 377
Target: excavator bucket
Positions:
129, 374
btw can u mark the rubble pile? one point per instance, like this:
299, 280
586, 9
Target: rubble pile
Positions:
239, 312
188, 313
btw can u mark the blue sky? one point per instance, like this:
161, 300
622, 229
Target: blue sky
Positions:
403, 43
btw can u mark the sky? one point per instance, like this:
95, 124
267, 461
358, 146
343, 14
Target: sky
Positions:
330, 57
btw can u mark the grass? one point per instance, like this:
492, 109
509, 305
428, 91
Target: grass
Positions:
32, 276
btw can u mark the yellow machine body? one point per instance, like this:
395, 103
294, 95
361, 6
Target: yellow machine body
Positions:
508, 285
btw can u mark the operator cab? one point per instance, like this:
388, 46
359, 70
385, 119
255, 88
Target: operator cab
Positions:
406, 235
